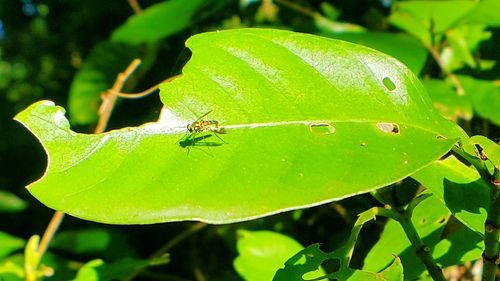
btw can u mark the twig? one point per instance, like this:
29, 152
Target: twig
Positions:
135, 6
146, 92
109, 97
453, 78
170, 244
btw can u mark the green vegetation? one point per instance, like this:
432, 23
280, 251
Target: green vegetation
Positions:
291, 140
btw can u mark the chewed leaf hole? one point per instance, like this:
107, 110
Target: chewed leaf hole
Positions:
388, 128
389, 85
440, 137
322, 128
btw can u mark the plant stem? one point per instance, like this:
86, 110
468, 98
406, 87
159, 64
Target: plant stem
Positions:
491, 254
171, 243
423, 252
453, 78
54, 224
135, 6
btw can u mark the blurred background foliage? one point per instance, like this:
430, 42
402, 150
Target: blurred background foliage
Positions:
70, 51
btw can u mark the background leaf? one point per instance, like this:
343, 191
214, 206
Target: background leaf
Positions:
157, 21
9, 202
262, 253
460, 188
97, 75
302, 113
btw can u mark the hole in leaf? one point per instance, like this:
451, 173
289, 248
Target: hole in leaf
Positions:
389, 85
331, 265
322, 128
423, 221
442, 220
440, 137
388, 127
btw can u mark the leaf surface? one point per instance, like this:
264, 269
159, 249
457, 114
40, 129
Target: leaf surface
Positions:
157, 21
306, 120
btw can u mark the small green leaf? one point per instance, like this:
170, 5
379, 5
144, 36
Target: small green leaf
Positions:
96, 270
463, 42
305, 119
311, 258
447, 101
99, 71
9, 244
109, 244
157, 21
488, 148
484, 96
460, 188
262, 253
9, 202
419, 18
461, 246
485, 13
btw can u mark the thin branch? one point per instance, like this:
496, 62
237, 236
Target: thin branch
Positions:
51, 229
135, 6
453, 78
109, 97
170, 244
146, 92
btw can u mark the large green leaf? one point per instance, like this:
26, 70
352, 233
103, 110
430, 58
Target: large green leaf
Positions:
158, 21
307, 118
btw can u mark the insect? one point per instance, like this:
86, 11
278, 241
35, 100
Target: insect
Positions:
200, 126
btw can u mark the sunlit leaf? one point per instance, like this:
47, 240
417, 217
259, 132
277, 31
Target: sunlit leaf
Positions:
336, 263
306, 118
9, 244
484, 96
485, 12
262, 253
419, 18
9, 202
447, 101
460, 188
157, 21
489, 148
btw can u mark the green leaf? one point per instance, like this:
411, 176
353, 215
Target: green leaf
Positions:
9, 244
109, 244
99, 71
489, 148
460, 188
463, 41
484, 96
485, 12
311, 258
157, 21
447, 101
429, 218
401, 46
461, 246
262, 253
420, 17
9, 202
305, 119
119, 270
